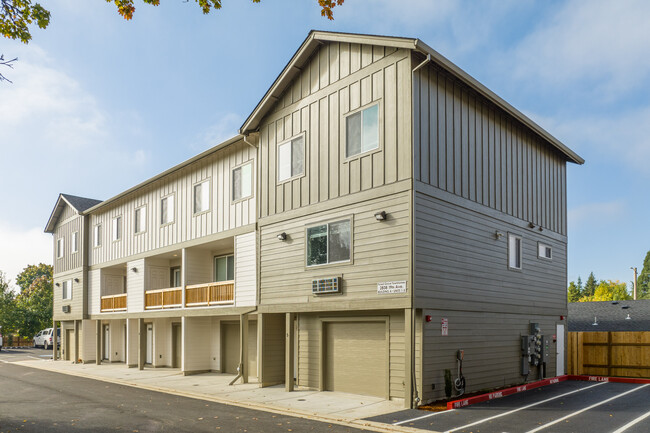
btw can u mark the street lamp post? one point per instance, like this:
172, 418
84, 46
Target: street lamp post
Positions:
635, 279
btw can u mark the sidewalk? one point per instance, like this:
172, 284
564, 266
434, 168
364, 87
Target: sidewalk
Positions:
332, 407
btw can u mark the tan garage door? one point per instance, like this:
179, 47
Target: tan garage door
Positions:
355, 357
229, 347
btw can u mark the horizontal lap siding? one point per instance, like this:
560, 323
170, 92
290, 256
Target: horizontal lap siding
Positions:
245, 270
467, 146
223, 215
341, 78
491, 342
76, 303
380, 252
460, 264
309, 350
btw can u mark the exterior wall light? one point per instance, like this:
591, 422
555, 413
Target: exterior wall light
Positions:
282, 236
76, 280
497, 235
380, 216
531, 225
134, 269
58, 284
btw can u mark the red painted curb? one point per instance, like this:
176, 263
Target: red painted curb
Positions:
609, 379
456, 404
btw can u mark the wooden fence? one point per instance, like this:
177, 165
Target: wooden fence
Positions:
623, 354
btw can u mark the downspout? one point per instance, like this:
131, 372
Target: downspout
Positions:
248, 142
240, 367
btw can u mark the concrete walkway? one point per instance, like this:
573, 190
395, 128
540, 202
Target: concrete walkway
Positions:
333, 407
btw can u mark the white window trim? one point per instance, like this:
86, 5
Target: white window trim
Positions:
74, 243
173, 220
521, 252
350, 219
117, 228
201, 182
541, 245
380, 139
214, 266
97, 235
304, 158
67, 283
144, 220
60, 252
232, 182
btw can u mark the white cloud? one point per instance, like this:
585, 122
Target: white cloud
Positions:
604, 213
20, 247
599, 42
226, 127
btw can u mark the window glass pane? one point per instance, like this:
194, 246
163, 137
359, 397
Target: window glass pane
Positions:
317, 245
98, 235
370, 129
339, 241
170, 209
221, 268
297, 156
74, 242
231, 268
163, 211
197, 198
236, 184
353, 134
284, 161
514, 252
201, 197
246, 180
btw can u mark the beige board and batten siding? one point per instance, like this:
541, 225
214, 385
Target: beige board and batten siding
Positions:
340, 79
246, 270
466, 145
76, 304
379, 253
63, 230
491, 345
223, 214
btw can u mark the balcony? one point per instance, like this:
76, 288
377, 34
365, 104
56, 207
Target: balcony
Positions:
209, 294
113, 303
163, 298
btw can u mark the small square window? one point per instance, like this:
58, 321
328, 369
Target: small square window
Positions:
117, 228
328, 243
167, 210
97, 236
202, 197
242, 182
514, 252
544, 251
74, 243
140, 220
59, 248
291, 158
362, 131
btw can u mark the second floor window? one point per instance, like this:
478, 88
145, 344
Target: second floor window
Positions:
74, 243
202, 196
140, 220
59, 248
117, 228
67, 289
328, 243
362, 131
97, 236
167, 209
242, 182
291, 158
224, 268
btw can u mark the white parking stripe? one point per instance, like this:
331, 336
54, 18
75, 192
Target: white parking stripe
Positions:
631, 423
423, 417
525, 407
542, 427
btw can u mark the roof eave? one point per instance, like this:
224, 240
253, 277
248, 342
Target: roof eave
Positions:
51, 222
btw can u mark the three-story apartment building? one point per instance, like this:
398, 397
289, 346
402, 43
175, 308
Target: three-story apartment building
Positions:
380, 212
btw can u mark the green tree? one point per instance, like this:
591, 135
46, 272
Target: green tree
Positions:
573, 294
16, 16
579, 286
7, 314
31, 273
611, 291
643, 280
590, 286
33, 307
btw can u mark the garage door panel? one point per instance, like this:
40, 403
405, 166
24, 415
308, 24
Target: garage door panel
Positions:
356, 357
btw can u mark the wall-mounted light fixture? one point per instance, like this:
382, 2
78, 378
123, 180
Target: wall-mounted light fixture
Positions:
497, 235
541, 229
134, 269
380, 216
58, 284
76, 280
531, 225
282, 236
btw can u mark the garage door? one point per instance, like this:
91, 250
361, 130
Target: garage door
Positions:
355, 357
229, 347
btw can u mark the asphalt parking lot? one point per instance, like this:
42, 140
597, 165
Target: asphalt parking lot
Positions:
571, 406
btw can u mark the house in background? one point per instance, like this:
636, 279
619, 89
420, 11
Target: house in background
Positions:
399, 212
610, 316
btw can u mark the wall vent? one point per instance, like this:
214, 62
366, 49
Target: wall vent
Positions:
66, 308
326, 285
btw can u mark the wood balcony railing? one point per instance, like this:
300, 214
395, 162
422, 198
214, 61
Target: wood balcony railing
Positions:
202, 295
113, 303
163, 298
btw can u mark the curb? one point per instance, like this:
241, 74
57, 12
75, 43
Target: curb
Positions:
354, 423
609, 379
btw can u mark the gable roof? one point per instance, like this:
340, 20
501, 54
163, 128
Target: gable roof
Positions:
316, 38
610, 316
80, 204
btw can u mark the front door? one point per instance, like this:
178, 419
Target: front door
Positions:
149, 354
560, 350
107, 343
177, 343
67, 344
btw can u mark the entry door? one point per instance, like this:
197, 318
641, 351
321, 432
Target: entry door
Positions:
229, 347
107, 343
149, 354
176, 345
67, 345
560, 350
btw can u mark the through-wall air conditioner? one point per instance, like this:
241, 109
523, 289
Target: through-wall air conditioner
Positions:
326, 285
66, 308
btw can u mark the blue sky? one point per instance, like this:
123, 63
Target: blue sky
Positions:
99, 104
